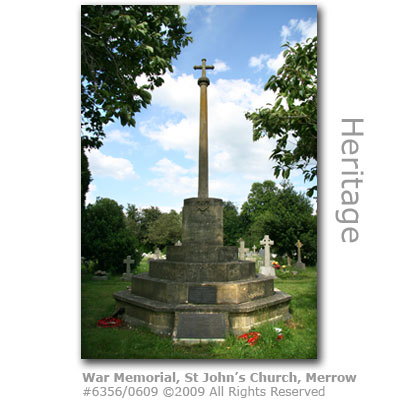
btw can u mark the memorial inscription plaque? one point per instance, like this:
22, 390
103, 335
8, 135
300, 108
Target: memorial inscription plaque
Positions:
202, 326
202, 294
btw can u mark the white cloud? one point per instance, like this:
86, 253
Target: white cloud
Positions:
173, 178
258, 62
274, 64
90, 197
301, 29
185, 9
285, 33
308, 29
295, 31
219, 66
121, 137
232, 153
107, 166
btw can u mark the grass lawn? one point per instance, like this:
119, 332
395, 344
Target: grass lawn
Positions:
299, 335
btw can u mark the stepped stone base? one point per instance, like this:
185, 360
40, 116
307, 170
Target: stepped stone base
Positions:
202, 292
201, 271
201, 253
191, 322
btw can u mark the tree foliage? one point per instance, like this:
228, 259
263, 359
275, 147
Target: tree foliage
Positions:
292, 120
231, 224
166, 230
284, 215
105, 236
119, 44
139, 221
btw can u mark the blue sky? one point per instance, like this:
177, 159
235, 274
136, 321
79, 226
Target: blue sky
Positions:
155, 163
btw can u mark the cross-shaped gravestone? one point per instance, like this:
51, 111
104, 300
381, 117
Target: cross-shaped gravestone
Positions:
242, 250
299, 244
157, 253
128, 262
267, 269
254, 249
299, 264
266, 241
203, 146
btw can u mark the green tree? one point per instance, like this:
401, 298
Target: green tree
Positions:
139, 221
231, 224
166, 230
292, 120
284, 215
118, 45
105, 237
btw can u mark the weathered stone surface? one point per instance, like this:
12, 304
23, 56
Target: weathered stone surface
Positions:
203, 221
268, 271
231, 292
127, 277
159, 289
202, 253
161, 317
202, 272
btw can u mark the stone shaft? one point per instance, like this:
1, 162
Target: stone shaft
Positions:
203, 145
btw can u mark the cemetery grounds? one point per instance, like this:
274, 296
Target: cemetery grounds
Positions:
299, 336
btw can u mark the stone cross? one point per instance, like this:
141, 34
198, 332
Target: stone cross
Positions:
299, 264
157, 253
266, 242
128, 262
299, 244
203, 146
242, 250
254, 249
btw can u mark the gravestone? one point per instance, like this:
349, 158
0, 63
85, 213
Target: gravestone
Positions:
178, 243
254, 250
202, 292
127, 276
242, 250
299, 265
288, 259
267, 269
157, 253
100, 275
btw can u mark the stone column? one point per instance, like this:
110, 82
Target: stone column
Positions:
203, 146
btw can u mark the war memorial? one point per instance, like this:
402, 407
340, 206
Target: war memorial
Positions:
202, 291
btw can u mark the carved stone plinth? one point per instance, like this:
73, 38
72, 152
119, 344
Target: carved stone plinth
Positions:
202, 221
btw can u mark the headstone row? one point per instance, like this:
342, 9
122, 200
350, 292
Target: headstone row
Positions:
265, 253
